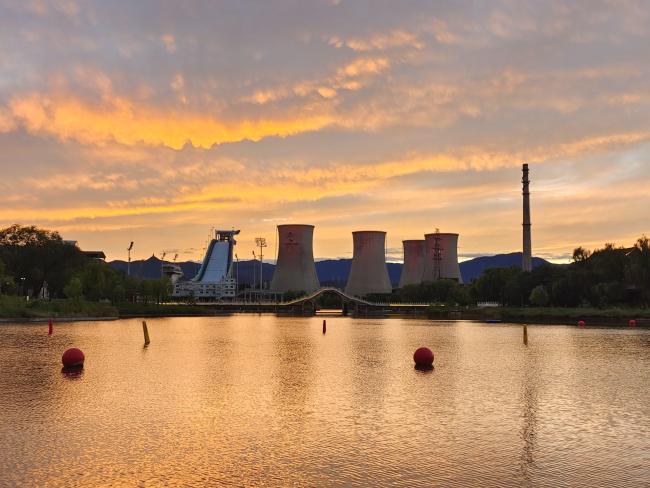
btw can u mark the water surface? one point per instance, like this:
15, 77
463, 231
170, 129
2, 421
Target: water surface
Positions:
253, 400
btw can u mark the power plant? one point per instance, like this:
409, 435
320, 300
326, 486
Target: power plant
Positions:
368, 273
441, 257
527, 258
413, 268
431, 259
295, 269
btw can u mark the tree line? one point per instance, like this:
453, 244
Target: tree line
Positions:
608, 277
32, 259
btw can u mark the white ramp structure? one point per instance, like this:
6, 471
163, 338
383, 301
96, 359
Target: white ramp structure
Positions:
413, 268
368, 273
441, 257
214, 280
295, 269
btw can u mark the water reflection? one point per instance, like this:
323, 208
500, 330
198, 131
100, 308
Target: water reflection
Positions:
262, 401
74, 373
530, 383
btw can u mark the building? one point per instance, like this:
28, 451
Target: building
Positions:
214, 281
441, 257
295, 269
413, 268
368, 272
172, 271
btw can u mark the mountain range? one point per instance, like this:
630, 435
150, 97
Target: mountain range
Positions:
331, 272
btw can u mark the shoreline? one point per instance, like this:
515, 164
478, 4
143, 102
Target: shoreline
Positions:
449, 316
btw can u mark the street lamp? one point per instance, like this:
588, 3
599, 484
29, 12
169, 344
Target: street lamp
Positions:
128, 265
237, 274
253, 284
261, 243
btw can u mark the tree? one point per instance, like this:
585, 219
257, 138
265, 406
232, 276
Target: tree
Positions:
6, 280
39, 255
74, 288
580, 255
539, 296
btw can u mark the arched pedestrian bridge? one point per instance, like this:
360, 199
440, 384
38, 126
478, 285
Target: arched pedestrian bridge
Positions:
307, 305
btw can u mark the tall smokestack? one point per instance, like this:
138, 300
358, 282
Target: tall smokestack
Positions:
527, 259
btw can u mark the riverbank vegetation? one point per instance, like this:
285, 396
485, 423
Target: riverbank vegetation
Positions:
18, 307
608, 278
36, 263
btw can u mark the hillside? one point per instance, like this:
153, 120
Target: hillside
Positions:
333, 272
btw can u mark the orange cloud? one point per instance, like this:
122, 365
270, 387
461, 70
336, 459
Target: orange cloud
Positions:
395, 38
127, 123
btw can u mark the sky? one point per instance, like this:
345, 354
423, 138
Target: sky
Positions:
154, 122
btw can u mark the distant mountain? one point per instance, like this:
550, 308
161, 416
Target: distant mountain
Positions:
474, 267
151, 268
331, 272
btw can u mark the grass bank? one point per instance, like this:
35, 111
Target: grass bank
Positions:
12, 307
555, 315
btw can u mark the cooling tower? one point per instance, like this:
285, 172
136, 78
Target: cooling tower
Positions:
441, 257
295, 269
413, 267
368, 273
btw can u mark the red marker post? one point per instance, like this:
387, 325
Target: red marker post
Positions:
324, 326
50, 327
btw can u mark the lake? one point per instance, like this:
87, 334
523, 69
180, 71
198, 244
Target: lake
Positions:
260, 400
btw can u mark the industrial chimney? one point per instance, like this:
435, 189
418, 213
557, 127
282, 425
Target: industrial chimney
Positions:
295, 269
441, 257
527, 258
368, 273
413, 267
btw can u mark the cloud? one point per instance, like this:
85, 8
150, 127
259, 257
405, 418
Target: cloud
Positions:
379, 42
169, 41
124, 121
154, 125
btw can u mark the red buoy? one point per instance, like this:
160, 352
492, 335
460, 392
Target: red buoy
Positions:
50, 328
324, 326
423, 358
632, 323
581, 323
73, 358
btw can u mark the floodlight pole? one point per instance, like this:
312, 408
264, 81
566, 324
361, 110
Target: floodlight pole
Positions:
128, 265
236, 274
253, 284
261, 242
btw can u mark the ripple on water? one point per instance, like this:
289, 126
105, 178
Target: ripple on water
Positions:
266, 401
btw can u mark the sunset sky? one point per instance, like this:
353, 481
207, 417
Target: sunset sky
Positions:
154, 121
